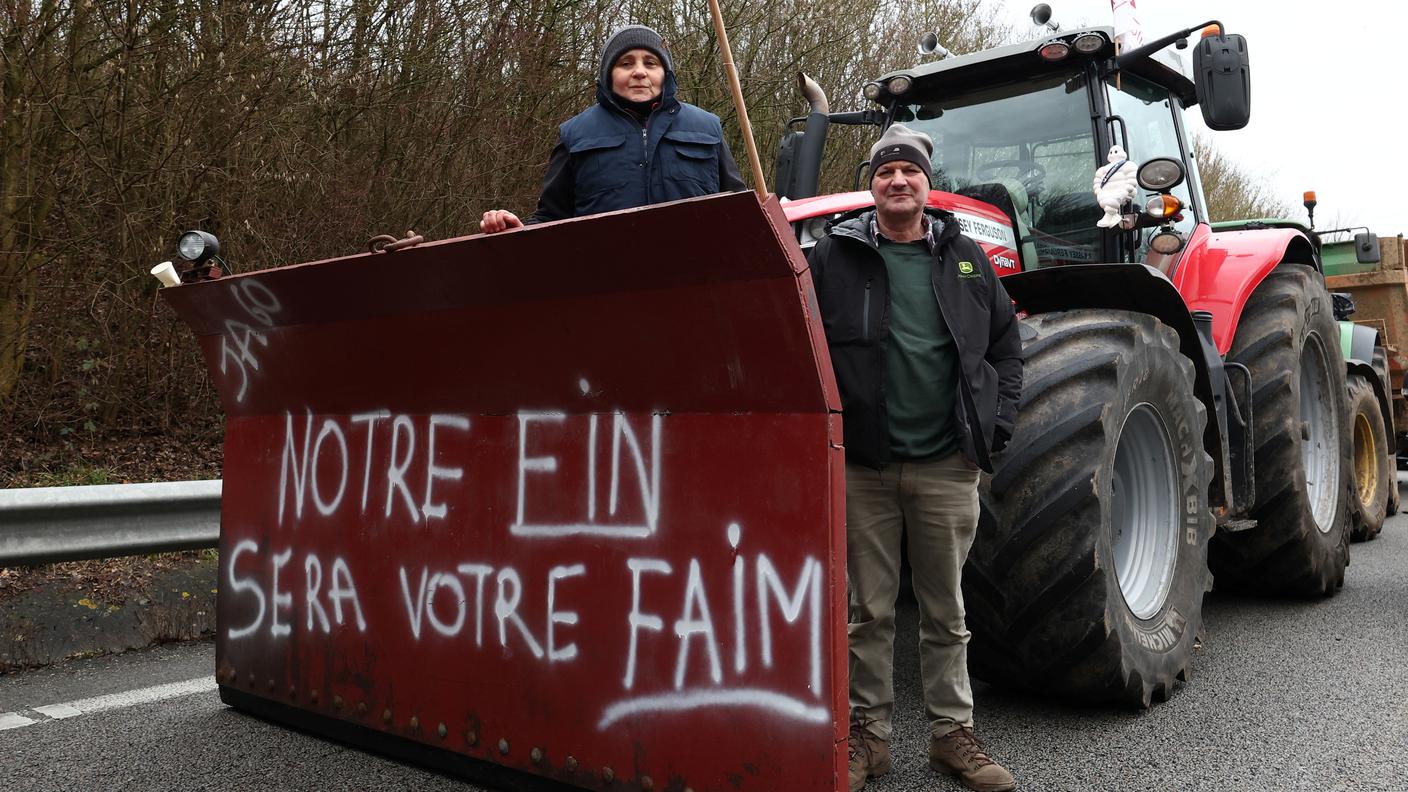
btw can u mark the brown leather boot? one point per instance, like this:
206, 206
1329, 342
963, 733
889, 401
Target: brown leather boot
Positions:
869, 755
959, 753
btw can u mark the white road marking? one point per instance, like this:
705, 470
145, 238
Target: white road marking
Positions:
58, 711
112, 701
13, 720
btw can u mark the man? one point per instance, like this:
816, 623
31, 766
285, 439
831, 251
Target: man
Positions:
927, 355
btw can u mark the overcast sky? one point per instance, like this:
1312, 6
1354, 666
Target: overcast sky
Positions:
1329, 106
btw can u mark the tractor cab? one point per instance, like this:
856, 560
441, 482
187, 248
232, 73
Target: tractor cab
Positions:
1024, 128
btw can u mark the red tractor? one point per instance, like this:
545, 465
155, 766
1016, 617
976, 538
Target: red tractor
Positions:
1183, 414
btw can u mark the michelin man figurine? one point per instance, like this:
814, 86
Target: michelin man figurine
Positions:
1114, 185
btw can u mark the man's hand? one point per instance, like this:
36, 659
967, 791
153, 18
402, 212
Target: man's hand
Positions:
496, 220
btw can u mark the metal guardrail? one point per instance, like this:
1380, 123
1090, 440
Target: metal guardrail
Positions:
42, 525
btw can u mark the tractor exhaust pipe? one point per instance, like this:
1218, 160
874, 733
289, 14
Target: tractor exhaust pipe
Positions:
816, 98
808, 165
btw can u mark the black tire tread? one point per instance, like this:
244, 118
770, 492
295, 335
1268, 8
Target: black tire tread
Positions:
1037, 591
1286, 553
1367, 519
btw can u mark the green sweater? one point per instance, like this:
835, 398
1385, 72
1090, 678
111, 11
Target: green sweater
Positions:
921, 359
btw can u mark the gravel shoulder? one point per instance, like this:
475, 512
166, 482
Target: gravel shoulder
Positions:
84, 608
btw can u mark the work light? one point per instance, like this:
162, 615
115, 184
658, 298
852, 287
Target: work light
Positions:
1089, 42
197, 246
1160, 174
1166, 243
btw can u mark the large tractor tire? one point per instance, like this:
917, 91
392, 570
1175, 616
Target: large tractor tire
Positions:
1374, 472
1088, 572
1288, 339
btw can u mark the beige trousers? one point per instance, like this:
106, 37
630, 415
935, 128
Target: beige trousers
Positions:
938, 503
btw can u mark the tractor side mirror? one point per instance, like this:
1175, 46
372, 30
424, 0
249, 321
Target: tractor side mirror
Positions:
1222, 80
784, 177
1366, 248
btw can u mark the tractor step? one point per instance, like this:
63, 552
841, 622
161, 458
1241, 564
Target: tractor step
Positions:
1233, 526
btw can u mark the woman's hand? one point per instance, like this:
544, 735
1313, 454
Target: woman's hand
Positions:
496, 220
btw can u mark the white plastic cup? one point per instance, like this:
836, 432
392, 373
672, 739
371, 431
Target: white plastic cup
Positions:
166, 273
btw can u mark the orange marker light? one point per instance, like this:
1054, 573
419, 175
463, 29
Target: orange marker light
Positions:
1211, 30
1163, 206
1309, 196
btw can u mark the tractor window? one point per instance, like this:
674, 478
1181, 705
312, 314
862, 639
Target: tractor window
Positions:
1028, 147
1148, 114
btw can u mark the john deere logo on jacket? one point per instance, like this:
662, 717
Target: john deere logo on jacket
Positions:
965, 269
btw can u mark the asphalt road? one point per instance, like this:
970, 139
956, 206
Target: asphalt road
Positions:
1286, 695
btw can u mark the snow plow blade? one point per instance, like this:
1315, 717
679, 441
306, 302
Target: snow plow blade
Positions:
565, 501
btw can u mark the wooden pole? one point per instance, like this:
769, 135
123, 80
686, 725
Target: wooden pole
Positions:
737, 89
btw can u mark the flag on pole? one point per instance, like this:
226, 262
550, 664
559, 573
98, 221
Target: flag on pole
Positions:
1129, 34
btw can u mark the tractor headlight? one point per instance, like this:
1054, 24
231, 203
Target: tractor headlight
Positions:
1160, 174
813, 229
872, 91
197, 246
898, 85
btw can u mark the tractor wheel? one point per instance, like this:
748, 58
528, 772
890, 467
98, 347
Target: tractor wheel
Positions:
1088, 572
1369, 495
1288, 339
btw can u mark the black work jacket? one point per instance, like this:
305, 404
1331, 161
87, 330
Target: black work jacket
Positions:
853, 292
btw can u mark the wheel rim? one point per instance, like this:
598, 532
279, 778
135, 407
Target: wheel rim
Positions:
1366, 460
1319, 447
1144, 511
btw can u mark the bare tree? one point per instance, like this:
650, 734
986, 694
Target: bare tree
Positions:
34, 78
1233, 193
297, 129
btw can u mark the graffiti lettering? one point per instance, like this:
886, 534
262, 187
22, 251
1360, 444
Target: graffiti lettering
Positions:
307, 465
238, 345
695, 621
711, 630
623, 435
340, 594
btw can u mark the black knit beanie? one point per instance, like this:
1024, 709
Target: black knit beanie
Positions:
902, 143
627, 38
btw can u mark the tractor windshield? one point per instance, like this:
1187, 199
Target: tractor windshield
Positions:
1028, 148
1148, 113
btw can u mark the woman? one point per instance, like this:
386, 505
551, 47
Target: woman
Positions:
637, 145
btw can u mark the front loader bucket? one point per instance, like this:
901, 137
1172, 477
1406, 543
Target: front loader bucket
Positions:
565, 500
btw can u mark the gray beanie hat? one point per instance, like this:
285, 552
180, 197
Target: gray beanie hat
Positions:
902, 143
627, 38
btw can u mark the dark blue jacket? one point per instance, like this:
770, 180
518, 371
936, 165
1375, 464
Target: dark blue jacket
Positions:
606, 159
